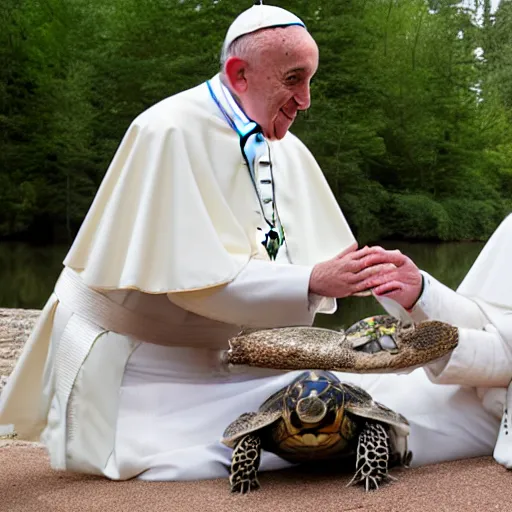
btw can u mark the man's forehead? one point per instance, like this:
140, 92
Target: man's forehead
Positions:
300, 59
294, 42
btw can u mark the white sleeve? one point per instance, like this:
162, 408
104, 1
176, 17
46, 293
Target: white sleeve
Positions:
482, 357
263, 295
438, 302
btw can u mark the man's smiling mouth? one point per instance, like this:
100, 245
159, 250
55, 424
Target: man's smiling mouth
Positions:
286, 115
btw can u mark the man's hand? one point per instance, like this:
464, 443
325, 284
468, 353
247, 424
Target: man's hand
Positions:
403, 283
352, 271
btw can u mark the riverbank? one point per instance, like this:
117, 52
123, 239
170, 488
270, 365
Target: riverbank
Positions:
15, 328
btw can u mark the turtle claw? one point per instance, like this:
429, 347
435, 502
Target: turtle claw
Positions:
245, 486
370, 483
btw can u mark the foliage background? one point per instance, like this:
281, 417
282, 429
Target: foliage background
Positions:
410, 120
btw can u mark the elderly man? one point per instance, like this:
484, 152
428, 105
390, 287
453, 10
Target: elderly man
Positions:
211, 217
190, 237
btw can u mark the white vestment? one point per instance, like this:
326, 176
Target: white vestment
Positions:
171, 233
169, 246
482, 307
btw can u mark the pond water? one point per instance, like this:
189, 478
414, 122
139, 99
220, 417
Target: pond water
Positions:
28, 275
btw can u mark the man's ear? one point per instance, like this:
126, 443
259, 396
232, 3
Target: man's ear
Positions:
235, 71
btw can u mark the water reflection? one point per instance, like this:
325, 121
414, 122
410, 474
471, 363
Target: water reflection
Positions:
28, 275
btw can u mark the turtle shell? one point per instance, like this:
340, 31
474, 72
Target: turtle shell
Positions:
352, 399
374, 334
271, 411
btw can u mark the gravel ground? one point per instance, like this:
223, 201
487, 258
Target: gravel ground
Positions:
15, 328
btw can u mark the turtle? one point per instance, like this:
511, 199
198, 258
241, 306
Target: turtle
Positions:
376, 344
318, 418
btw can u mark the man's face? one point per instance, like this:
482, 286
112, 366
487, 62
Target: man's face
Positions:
277, 83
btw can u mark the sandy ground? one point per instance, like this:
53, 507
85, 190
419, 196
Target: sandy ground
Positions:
29, 485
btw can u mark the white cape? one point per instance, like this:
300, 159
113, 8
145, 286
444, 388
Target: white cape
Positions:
177, 210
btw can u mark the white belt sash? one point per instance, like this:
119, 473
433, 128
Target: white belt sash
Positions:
110, 316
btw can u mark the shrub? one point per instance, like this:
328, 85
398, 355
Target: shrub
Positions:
416, 217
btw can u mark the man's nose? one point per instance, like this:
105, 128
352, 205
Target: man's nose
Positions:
303, 97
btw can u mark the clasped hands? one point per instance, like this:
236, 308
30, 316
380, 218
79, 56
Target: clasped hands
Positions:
383, 272
360, 349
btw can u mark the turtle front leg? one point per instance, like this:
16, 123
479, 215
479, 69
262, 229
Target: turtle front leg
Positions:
245, 463
372, 457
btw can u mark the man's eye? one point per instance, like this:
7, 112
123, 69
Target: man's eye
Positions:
292, 79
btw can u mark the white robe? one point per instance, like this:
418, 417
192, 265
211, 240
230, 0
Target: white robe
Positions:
482, 306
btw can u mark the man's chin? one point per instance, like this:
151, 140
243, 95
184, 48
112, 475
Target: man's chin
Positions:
280, 130
273, 135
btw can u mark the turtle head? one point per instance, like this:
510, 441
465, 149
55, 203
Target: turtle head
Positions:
309, 398
311, 409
